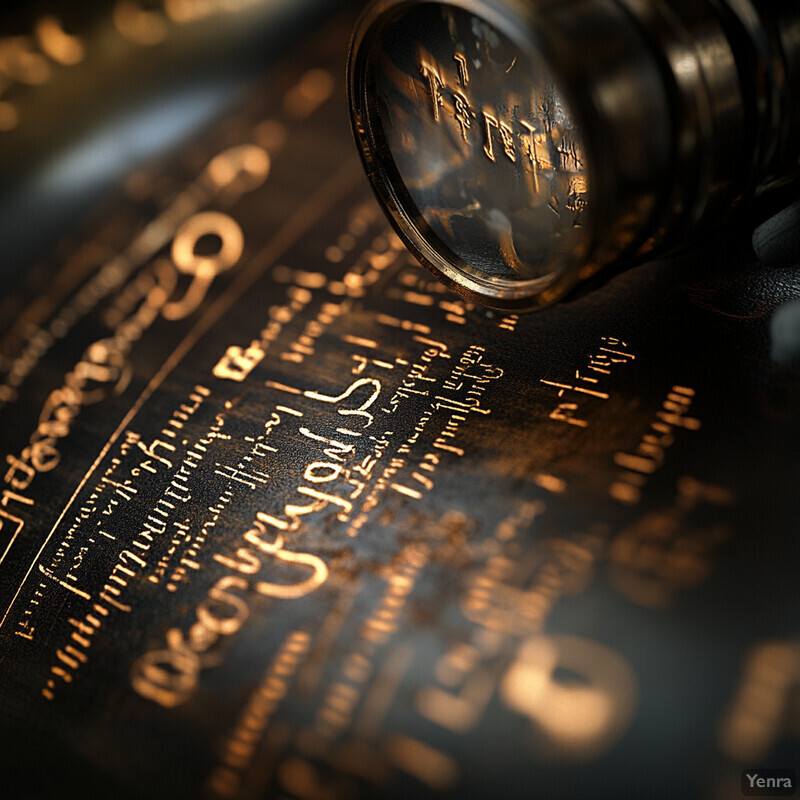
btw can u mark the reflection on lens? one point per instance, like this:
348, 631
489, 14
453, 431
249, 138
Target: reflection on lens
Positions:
489, 166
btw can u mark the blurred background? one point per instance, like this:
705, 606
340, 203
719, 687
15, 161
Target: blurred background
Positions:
90, 90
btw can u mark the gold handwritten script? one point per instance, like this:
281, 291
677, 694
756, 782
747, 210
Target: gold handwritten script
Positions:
363, 393
650, 452
574, 722
588, 381
104, 369
169, 675
241, 746
670, 549
541, 144
763, 709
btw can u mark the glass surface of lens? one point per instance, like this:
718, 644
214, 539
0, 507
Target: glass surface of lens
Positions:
489, 168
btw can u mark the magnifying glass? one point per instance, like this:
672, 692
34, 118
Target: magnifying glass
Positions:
520, 147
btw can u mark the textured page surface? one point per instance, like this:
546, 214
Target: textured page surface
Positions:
283, 517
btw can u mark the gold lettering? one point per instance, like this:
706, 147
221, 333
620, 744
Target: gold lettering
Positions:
203, 268
330, 472
238, 363
225, 626
337, 450
242, 168
505, 133
578, 721
360, 410
293, 591
248, 563
167, 676
435, 84
17, 465
463, 73
463, 114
